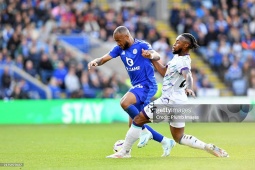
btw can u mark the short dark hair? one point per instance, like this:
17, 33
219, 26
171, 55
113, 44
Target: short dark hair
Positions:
121, 30
191, 39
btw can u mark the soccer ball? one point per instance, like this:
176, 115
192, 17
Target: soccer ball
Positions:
118, 145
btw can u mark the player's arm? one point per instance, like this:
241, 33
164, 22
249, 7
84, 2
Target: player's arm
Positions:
159, 67
151, 54
189, 82
99, 61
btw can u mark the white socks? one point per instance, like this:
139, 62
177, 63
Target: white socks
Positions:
132, 135
192, 142
164, 140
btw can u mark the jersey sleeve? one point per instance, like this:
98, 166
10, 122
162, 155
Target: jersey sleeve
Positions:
183, 64
115, 52
146, 46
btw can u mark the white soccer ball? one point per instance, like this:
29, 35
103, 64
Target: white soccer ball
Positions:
118, 145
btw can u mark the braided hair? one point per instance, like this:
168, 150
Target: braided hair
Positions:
191, 39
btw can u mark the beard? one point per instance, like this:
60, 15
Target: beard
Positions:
177, 52
126, 46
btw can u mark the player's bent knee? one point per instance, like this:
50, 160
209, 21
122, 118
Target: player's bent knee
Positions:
124, 104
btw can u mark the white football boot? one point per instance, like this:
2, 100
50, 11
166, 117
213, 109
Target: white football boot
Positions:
167, 147
216, 151
120, 154
144, 138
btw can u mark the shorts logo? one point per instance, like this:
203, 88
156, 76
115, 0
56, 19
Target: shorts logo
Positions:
135, 51
137, 86
129, 61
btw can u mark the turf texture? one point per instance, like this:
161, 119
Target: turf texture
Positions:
86, 146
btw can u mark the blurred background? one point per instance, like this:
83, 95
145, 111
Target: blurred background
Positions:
45, 46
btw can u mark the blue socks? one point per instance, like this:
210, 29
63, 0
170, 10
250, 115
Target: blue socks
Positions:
156, 136
132, 112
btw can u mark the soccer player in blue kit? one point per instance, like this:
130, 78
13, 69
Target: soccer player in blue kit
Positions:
136, 56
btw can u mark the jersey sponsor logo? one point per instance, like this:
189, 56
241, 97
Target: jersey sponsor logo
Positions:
133, 68
129, 61
134, 51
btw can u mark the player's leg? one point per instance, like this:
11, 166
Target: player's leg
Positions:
177, 130
130, 103
149, 133
167, 144
131, 136
144, 117
134, 133
130, 122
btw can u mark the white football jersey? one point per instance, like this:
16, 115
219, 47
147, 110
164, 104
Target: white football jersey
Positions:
174, 83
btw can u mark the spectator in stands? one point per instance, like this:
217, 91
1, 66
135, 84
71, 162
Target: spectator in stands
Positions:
1, 59
234, 72
60, 74
6, 79
18, 93
248, 44
29, 68
7, 34
24, 86
223, 68
94, 79
88, 91
206, 84
71, 81
45, 68
152, 36
19, 61
161, 46
7, 83
54, 88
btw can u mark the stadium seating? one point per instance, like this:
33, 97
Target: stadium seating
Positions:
27, 36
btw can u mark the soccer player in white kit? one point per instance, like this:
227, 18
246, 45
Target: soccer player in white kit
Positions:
177, 84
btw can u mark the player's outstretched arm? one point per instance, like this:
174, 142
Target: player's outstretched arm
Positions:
159, 67
189, 82
151, 54
99, 61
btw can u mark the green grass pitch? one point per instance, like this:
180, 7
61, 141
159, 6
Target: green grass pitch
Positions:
85, 147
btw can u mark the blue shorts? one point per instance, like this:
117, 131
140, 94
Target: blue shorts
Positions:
143, 93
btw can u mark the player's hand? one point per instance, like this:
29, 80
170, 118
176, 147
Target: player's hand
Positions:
146, 53
93, 63
190, 92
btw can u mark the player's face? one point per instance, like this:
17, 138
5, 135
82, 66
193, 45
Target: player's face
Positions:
179, 45
122, 40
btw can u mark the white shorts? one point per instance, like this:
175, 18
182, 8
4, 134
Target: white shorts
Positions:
148, 111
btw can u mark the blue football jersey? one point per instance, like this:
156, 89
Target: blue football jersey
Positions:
140, 69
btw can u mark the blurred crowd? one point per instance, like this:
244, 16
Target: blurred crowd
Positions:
25, 43
225, 30
26, 26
